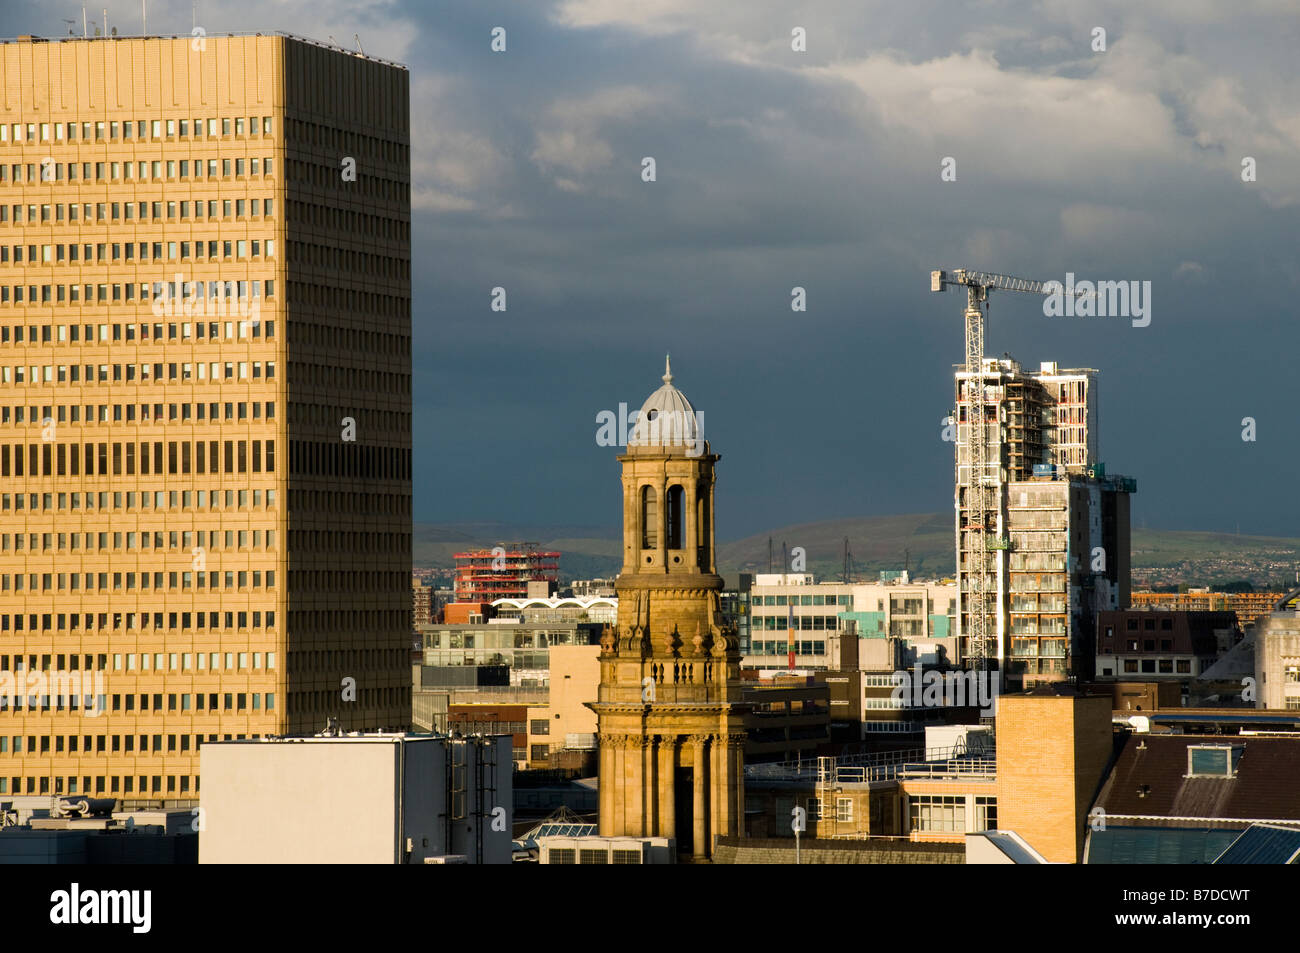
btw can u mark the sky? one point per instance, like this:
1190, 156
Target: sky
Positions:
823, 169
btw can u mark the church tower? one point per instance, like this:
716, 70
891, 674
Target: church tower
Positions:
669, 711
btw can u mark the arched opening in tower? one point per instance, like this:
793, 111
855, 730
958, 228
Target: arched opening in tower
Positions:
674, 514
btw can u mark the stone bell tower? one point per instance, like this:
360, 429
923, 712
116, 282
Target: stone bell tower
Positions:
669, 710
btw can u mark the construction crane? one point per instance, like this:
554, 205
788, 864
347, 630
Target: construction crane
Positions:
981, 509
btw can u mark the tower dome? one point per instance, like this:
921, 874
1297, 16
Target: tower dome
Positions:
666, 419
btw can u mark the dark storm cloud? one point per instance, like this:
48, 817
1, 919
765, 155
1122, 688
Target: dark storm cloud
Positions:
821, 170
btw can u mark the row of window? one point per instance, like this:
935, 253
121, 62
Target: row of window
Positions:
817, 623
319, 660
313, 458
116, 784
321, 293
1164, 666
145, 332
117, 540
1148, 645
1166, 625
890, 703
71, 582
367, 698
946, 813
161, 661
143, 499
325, 175
234, 701
1033, 648
48, 171
202, 456
891, 728
345, 141
781, 647
44, 416
135, 129
82, 212
143, 373
103, 293
57, 254
131, 621
821, 600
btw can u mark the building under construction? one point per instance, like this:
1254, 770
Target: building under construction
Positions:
1056, 528
503, 572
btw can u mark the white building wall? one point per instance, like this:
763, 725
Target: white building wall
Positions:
376, 799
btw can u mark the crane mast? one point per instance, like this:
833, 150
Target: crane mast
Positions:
977, 502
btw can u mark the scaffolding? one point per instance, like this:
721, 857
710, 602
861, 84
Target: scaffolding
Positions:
503, 572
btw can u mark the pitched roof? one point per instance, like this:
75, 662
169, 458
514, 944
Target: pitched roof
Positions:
1157, 845
1149, 781
1263, 844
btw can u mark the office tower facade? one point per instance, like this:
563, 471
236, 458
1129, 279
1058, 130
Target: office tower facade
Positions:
204, 403
1059, 533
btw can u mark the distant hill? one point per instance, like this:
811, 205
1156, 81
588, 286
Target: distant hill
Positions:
924, 540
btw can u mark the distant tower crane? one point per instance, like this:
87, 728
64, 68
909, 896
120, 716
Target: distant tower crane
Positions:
981, 509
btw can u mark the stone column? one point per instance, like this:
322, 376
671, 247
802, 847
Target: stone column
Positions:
661, 520
689, 520
619, 787
631, 524
723, 784
649, 788
605, 786
667, 786
712, 535
632, 786
700, 806
736, 789
717, 786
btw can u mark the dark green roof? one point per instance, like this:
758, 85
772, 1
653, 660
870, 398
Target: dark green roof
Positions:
1263, 844
1158, 845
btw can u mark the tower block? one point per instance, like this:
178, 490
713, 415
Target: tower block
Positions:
670, 716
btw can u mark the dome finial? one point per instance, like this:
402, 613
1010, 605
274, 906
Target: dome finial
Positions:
668, 369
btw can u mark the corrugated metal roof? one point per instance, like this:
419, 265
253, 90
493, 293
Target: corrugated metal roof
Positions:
1263, 844
1157, 845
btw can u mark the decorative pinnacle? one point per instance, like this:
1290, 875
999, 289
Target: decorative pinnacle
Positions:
668, 369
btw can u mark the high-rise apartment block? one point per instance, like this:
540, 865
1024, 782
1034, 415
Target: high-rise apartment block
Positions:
1058, 529
205, 404
503, 572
